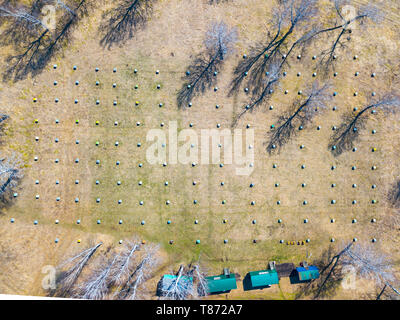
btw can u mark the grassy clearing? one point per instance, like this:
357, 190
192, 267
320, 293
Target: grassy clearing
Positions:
147, 53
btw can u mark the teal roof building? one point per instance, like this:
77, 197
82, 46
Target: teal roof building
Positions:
263, 278
221, 284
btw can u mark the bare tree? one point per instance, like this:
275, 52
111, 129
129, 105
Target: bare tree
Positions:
324, 286
343, 138
371, 264
121, 22
117, 274
394, 195
265, 84
183, 286
96, 287
34, 42
294, 30
270, 82
385, 294
178, 288
342, 26
334, 263
199, 276
68, 278
64, 6
122, 271
261, 71
203, 71
22, 16
11, 173
122, 268
22, 24
3, 118
368, 262
141, 273
217, 1
302, 113
287, 18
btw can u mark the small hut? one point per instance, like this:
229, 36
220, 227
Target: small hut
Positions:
223, 283
306, 272
284, 269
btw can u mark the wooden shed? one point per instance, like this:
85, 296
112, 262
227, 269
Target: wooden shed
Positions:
285, 269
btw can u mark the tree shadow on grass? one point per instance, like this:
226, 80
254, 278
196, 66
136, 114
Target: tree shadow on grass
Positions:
330, 279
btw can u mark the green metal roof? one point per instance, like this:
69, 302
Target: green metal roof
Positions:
263, 278
221, 283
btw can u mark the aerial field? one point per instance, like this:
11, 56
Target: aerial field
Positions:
81, 126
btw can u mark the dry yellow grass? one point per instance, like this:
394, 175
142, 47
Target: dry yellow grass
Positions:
168, 43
